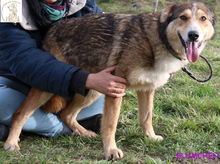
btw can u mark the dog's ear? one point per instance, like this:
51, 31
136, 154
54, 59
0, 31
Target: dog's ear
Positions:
166, 13
214, 21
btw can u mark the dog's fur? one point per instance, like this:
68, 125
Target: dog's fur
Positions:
146, 49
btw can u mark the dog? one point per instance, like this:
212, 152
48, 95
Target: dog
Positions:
145, 48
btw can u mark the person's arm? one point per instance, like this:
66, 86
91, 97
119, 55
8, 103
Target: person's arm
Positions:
32, 65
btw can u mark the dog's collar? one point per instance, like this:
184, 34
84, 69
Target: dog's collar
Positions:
163, 37
171, 50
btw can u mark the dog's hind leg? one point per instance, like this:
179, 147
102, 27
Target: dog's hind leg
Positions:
35, 99
69, 114
108, 129
145, 104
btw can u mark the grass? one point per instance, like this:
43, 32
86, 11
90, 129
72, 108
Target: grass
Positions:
186, 114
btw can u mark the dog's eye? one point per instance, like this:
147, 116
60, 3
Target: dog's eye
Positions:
183, 17
203, 18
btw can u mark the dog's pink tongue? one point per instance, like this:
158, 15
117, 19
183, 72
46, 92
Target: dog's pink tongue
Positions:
193, 51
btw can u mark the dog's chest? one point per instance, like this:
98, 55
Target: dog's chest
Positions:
147, 78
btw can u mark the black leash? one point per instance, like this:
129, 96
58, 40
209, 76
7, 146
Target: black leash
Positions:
194, 77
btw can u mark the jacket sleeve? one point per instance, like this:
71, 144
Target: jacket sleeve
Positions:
35, 67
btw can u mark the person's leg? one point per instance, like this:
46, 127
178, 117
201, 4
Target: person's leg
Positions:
42, 123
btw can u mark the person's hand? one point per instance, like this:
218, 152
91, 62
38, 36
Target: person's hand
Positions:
106, 83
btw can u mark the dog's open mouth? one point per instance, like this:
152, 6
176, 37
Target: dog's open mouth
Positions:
191, 49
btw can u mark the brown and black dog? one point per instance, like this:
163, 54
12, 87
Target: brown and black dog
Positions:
146, 48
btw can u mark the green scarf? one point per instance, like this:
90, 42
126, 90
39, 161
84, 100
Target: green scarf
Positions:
56, 10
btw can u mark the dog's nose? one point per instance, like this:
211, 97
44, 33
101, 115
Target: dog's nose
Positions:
193, 35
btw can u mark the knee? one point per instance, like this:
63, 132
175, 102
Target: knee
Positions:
10, 101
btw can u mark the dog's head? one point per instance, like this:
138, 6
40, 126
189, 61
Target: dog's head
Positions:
186, 28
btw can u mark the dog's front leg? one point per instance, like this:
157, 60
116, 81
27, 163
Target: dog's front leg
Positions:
108, 129
35, 99
145, 104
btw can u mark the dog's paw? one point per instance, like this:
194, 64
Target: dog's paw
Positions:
114, 154
85, 133
158, 138
11, 146
90, 134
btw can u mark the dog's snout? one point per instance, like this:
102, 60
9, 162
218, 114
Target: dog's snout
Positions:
193, 35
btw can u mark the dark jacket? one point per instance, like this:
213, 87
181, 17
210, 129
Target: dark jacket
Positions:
22, 60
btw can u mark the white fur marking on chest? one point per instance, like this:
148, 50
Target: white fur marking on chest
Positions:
143, 78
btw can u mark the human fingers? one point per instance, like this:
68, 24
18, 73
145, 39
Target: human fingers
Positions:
114, 77
116, 92
117, 85
110, 69
119, 81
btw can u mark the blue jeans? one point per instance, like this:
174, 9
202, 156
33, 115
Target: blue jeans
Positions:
12, 95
